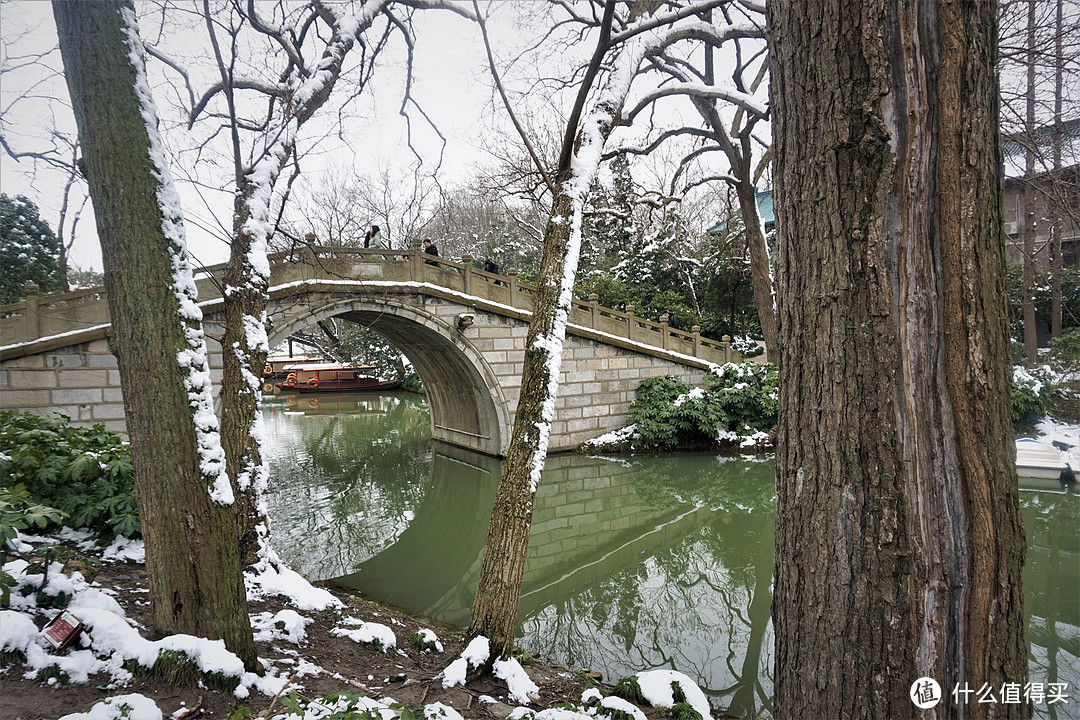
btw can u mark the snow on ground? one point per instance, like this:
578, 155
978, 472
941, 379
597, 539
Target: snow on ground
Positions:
1048, 430
656, 687
475, 654
521, 688
369, 632
134, 706
615, 437
286, 624
110, 638
277, 579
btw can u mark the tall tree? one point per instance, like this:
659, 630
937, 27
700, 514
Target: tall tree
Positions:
183, 493
623, 41
899, 543
29, 250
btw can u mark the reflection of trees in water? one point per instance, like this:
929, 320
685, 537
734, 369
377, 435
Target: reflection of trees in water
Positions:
1052, 592
329, 470
700, 606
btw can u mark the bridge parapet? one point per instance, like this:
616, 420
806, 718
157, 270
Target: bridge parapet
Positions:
84, 313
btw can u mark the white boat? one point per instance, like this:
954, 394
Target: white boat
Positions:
1041, 463
1036, 459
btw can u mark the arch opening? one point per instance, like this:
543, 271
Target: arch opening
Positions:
467, 405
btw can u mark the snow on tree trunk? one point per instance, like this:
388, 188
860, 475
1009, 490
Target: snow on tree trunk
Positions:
183, 493
494, 613
247, 275
899, 542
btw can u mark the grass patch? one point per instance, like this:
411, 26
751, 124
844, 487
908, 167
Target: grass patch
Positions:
613, 713
11, 658
629, 690
53, 672
220, 681
683, 710
423, 643
175, 668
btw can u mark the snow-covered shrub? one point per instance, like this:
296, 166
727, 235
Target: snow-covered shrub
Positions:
736, 408
426, 640
1031, 389
1065, 351
746, 346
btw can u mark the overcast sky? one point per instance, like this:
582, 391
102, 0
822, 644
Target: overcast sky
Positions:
451, 83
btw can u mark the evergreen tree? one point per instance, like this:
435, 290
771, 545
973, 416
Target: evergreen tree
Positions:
28, 250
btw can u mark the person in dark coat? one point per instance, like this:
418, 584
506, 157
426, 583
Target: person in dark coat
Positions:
491, 267
673, 322
430, 249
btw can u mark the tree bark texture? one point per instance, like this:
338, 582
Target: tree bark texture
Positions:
899, 543
240, 396
193, 568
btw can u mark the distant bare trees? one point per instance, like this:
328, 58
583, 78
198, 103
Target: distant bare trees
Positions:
1040, 121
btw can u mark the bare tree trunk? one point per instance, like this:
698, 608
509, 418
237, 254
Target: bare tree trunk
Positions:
243, 359
1031, 335
899, 543
760, 264
1057, 261
498, 592
194, 572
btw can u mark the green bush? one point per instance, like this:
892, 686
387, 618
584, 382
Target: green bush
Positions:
1065, 351
738, 401
18, 512
1031, 390
83, 472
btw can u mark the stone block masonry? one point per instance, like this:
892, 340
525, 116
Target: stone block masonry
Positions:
468, 351
80, 381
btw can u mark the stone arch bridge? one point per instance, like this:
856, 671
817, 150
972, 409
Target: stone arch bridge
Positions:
463, 329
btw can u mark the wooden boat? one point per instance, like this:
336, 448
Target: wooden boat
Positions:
275, 370
333, 378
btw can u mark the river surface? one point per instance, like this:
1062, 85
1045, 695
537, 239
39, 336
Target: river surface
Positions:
634, 563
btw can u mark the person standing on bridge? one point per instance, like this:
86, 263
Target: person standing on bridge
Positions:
430, 249
374, 239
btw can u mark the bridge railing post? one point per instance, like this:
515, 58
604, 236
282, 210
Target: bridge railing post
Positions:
416, 265
467, 274
696, 331
511, 275
32, 319
665, 332
631, 322
726, 339
594, 310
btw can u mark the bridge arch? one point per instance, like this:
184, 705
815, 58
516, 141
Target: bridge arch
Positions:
468, 407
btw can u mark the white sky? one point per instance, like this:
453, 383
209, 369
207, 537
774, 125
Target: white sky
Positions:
450, 81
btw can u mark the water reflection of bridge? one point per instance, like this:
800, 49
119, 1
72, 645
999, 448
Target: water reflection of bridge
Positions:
604, 532
587, 526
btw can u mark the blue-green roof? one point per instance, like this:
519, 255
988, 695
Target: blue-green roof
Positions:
765, 209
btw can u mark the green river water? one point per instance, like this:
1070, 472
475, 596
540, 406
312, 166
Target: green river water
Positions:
634, 563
